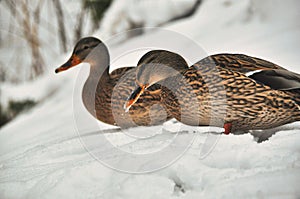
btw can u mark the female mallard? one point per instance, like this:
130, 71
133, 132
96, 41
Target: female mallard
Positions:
104, 93
218, 92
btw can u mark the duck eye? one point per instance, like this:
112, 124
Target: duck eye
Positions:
85, 47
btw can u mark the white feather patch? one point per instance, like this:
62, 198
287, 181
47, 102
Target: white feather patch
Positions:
252, 72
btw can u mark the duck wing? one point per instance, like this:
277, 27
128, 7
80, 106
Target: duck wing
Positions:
242, 63
277, 79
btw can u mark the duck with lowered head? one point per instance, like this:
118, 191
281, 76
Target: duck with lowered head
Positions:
234, 91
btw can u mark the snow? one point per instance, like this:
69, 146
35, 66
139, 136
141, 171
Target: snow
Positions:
126, 15
53, 151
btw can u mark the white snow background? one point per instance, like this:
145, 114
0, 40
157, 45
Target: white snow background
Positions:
41, 155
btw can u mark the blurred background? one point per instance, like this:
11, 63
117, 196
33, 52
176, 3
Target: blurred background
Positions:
36, 112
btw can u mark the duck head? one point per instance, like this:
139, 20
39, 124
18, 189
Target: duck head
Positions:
153, 67
80, 53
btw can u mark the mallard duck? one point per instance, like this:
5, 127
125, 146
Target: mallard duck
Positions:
234, 91
104, 93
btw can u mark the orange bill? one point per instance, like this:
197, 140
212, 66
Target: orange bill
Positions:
73, 61
135, 95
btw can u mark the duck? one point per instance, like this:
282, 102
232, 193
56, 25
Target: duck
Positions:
104, 93
236, 92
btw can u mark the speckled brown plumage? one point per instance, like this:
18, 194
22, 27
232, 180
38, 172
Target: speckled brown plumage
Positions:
234, 99
113, 93
215, 91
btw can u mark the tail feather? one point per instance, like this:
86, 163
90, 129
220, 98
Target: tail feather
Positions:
278, 79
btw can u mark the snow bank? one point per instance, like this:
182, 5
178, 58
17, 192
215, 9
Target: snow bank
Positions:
265, 29
130, 14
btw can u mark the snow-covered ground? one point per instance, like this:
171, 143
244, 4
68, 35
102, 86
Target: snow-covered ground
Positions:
42, 155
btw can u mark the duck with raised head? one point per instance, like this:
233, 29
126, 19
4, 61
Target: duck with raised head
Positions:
234, 91
104, 93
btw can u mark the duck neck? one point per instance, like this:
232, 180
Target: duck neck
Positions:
99, 75
99, 63
99, 72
